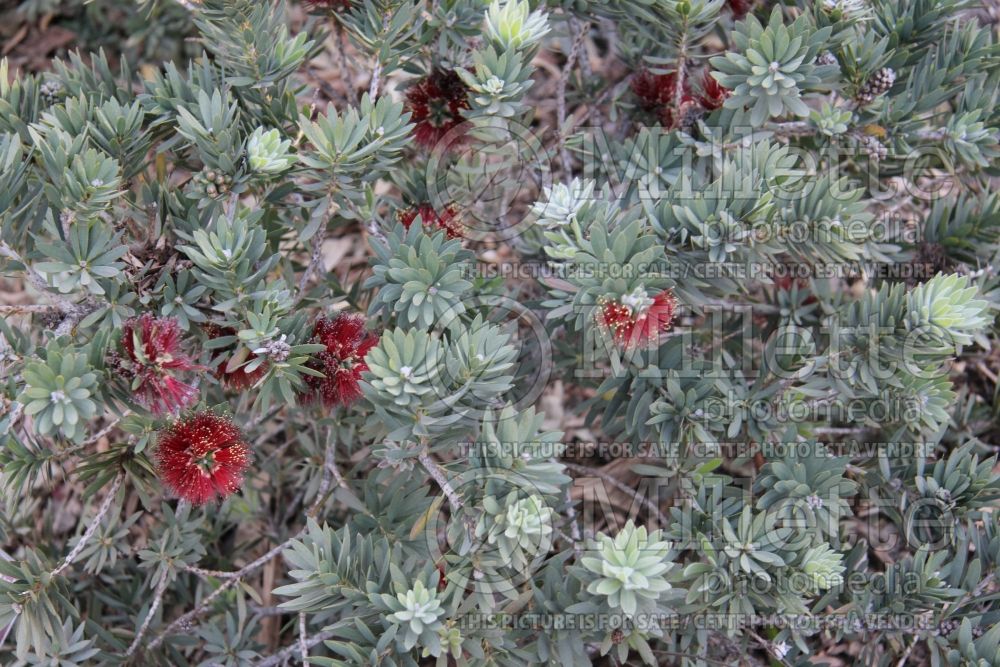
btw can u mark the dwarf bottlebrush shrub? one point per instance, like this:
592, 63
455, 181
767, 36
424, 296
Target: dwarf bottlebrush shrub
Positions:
663, 334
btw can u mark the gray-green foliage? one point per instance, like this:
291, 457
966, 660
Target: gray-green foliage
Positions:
59, 392
420, 277
772, 66
779, 447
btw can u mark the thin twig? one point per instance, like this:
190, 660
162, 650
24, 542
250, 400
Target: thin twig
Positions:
72, 312
377, 70
314, 259
303, 639
231, 207
792, 128
232, 578
571, 58
161, 587
909, 650
376, 73
330, 473
801, 128
584, 58
25, 308
260, 419
287, 652
66, 453
246, 569
681, 76
33, 276
439, 476
103, 432
648, 504
587, 72
768, 646
343, 68
186, 619
95, 523
574, 527
987, 372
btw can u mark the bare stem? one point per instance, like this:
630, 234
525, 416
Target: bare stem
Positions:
24, 308
303, 639
314, 260
376, 74
586, 470
792, 128
231, 207
95, 523
909, 650
232, 578
341, 53
439, 476
72, 312
330, 473
186, 619
578, 35
802, 128
161, 587
681, 77
377, 70
65, 454
574, 527
769, 647
33, 276
235, 575
286, 653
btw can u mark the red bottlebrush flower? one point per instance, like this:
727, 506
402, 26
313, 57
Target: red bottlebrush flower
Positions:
786, 282
343, 360
237, 379
713, 94
443, 579
151, 351
436, 103
240, 379
448, 219
636, 320
653, 90
202, 457
657, 94
740, 8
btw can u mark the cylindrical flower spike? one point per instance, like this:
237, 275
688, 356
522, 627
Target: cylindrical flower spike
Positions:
342, 362
151, 352
636, 320
448, 219
436, 103
202, 457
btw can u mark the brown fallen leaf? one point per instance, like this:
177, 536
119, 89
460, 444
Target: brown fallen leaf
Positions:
44, 43
15, 40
